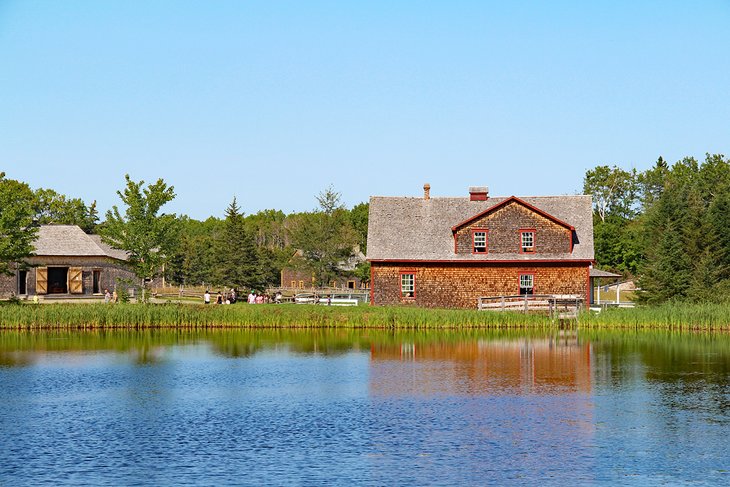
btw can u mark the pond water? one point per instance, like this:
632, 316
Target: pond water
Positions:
362, 407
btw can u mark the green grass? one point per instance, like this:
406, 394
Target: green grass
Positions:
186, 316
80, 316
670, 316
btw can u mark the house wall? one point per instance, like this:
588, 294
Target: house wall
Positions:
503, 236
110, 270
459, 285
8, 285
289, 274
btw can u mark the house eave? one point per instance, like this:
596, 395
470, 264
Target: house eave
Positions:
512, 199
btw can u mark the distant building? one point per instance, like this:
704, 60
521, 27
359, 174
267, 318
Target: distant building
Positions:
448, 252
294, 277
67, 261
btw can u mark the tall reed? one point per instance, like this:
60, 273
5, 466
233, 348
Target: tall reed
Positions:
669, 316
65, 315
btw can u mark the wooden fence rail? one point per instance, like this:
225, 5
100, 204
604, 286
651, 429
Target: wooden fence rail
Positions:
563, 306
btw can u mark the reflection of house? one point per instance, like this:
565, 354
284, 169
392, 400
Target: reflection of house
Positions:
448, 252
67, 261
299, 278
545, 365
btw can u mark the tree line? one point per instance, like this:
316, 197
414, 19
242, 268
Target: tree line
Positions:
237, 250
668, 227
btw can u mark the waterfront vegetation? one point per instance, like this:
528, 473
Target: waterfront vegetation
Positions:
670, 316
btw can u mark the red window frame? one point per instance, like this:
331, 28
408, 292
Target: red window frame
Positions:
522, 231
486, 240
519, 283
400, 283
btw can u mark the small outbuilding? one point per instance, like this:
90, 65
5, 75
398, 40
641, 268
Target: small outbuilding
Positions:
67, 262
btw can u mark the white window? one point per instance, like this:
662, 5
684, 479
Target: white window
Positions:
408, 285
480, 242
527, 284
528, 241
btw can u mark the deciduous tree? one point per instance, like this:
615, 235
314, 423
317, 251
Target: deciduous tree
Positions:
148, 236
17, 231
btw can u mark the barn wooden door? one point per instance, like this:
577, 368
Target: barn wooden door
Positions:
41, 280
75, 280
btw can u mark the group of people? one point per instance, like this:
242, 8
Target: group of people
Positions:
110, 298
231, 297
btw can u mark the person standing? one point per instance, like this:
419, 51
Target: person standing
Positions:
107, 296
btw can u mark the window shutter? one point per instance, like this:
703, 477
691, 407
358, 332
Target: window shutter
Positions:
41, 280
75, 280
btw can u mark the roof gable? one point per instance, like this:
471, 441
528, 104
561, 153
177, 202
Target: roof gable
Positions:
505, 202
71, 241
419, 229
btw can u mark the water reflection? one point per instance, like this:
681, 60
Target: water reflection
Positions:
554, 364
395, 408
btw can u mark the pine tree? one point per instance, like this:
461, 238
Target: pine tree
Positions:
237, 256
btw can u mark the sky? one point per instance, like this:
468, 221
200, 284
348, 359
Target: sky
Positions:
272, 102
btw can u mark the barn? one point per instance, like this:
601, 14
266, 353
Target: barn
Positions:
67, 263
449, 252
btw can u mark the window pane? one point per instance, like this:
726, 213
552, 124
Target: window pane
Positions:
480, 241
526, 284
407, 285
528, 240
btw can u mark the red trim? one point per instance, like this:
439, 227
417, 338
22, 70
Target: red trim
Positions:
588, 287
486, 240
507, 201
456, 247
372, 287
481, 262
534, 236
400, 283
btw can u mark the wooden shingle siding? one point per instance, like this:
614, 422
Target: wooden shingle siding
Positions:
504, 238
444, 285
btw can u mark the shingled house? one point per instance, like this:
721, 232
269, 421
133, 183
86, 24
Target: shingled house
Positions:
449, 252
69, 262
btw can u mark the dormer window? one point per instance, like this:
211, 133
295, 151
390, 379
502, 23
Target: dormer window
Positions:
527, 241
479, 241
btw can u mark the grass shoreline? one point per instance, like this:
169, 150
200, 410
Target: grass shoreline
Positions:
708, 317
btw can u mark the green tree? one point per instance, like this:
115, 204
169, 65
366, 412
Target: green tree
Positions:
52, 207
325, 238
614, 191
685, 233
359, 220
17, 232
148, 236
237, 258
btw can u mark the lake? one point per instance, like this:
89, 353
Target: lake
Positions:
364, 407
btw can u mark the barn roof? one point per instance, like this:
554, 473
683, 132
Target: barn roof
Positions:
419, 229
71, 241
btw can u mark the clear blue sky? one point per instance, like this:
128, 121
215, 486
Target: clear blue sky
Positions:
273, 101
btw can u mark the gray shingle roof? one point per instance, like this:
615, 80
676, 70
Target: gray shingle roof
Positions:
409, 228
71, 241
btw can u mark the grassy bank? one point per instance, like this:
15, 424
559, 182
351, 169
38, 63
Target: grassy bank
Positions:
29, 316
184, 316
671, 316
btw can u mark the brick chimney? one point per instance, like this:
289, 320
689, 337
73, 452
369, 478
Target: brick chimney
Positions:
426, 191
478, 193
